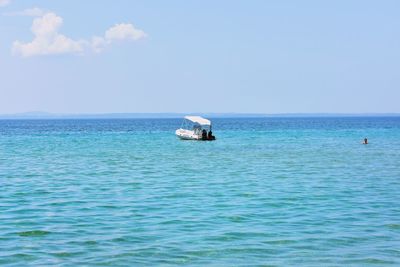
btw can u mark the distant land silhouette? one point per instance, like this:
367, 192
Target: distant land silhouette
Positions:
47, 115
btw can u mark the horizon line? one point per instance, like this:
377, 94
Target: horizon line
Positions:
133, 115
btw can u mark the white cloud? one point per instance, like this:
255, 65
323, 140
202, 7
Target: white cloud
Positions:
31, 12
48, 41
119, 32
4, 2
124, 31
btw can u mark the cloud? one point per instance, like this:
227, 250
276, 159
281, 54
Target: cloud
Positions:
48, 41
119, 32
4, 2
31, 12
124, 32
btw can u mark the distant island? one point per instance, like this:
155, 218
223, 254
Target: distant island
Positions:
47, 115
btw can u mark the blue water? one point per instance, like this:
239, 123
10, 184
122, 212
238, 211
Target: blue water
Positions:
270, 191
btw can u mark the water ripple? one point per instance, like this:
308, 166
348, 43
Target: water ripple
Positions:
268, 192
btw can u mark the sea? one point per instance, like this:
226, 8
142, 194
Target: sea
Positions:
268, 192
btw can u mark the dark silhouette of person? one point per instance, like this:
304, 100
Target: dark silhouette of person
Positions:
365, 141
204, 135
210, 136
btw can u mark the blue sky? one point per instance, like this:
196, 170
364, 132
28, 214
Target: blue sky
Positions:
199, 56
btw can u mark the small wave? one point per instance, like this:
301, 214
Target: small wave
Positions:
34, 233
394, 226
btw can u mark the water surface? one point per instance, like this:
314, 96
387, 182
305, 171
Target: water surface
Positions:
269, 191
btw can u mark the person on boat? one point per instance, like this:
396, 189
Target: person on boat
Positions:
210, 136
204, 135
365, 141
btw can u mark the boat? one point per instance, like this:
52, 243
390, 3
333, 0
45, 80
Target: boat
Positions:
194, 127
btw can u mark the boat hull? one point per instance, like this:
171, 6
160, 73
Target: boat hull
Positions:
187, 135
190, 135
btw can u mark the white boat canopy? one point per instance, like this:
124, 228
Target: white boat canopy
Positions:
199, 120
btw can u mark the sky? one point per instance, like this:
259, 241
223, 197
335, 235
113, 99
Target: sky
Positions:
74, 56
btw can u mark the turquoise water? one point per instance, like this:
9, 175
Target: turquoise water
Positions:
273, 191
